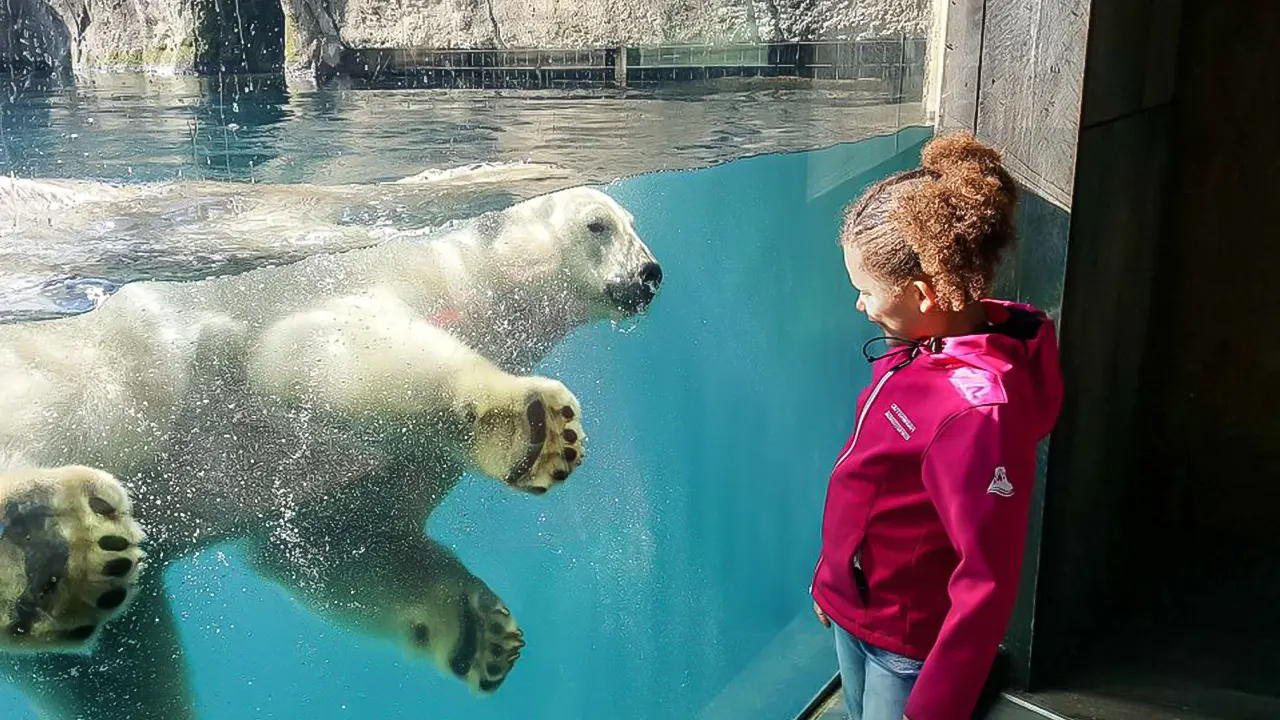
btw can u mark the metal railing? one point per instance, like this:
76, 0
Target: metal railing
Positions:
897, 64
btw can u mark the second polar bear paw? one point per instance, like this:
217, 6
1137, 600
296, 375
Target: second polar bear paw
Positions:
69, 556
475, 638
532, 441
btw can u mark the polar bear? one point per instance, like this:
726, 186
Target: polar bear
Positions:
317, 412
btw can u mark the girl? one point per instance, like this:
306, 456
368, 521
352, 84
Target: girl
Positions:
927, 506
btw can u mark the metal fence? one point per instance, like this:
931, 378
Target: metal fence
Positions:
892, 67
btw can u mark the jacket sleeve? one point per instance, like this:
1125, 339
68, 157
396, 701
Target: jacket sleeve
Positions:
981, 484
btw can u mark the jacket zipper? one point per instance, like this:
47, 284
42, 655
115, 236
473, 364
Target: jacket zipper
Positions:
857, 429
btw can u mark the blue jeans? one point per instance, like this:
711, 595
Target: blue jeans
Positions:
876, 682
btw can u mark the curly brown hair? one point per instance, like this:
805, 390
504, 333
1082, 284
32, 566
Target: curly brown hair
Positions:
947, 222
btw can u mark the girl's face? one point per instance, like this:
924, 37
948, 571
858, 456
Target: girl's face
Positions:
898, 311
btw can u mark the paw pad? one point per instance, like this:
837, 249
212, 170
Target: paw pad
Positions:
491, 641
72, 537
554, 440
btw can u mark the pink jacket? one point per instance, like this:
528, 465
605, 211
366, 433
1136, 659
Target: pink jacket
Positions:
927, 506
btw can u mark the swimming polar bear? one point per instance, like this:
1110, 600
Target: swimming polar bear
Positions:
317, 412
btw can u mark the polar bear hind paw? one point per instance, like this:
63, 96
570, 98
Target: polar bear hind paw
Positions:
69, 555
483, 644
555, 439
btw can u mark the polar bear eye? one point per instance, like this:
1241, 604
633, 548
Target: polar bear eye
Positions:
597, 226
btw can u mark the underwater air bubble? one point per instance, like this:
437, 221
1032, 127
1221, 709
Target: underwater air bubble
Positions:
626, 326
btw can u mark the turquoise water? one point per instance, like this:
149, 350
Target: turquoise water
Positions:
668, 579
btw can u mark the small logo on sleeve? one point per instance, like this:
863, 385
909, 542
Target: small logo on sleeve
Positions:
1000, 484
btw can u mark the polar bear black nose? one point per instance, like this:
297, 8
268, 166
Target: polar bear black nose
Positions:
635, 294
651, 275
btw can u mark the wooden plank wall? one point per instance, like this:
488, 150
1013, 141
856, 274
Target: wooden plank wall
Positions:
1013, 75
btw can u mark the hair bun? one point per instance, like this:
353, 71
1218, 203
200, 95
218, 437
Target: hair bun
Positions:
958, 152
959, 221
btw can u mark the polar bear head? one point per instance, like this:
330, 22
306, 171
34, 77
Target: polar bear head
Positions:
575, 253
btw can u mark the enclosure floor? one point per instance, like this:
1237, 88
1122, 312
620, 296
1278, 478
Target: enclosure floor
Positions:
832, 709
1064, 705
1139, 705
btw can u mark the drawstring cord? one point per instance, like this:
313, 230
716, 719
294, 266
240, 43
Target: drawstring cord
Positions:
911, 348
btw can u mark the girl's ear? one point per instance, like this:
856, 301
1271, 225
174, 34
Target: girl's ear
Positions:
925, 297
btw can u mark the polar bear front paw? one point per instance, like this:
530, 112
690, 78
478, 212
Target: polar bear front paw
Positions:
474, 638
537, 445
69, 556
555, 437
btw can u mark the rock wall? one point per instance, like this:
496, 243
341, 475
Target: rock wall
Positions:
33, 38
324, 26
577, 23
126, 34
198, 35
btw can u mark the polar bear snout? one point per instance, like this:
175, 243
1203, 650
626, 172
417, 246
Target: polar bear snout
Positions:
633, 294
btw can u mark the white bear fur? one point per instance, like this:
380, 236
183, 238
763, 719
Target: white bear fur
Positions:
259, 406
